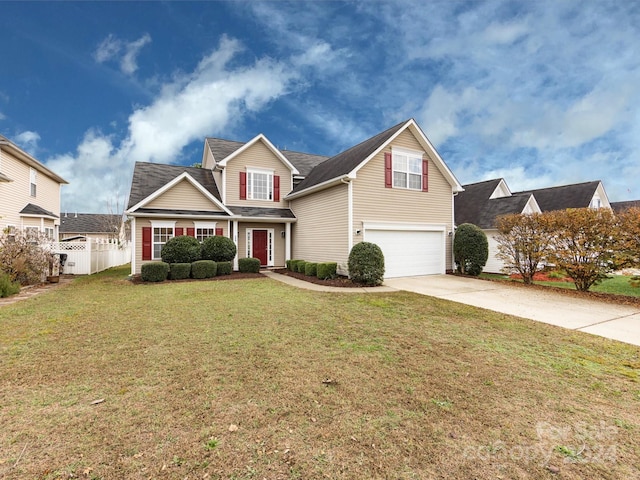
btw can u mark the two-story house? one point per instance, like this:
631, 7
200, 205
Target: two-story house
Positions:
392, 189
29, 193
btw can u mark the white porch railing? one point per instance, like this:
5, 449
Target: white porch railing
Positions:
91, 256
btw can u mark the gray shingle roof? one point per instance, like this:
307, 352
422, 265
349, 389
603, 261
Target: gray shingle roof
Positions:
31, 209
621, 206
149, 177
304, 162
343, 163
577, 195
260, 212
169, 211
89, 223
474, 205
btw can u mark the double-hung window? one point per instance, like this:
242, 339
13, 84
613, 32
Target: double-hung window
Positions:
204, 230
162, 231
407, 170
33, 177
259, 184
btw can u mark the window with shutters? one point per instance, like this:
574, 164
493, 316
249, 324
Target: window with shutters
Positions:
162, 231
259, 184
407, 169
204, 230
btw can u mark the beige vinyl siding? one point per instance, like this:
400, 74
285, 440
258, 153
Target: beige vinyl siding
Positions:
256, 156
207, 161
321, 232
279, 245
184, 223
373, 202
183, 196
14, 196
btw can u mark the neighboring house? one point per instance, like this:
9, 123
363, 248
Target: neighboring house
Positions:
622, 206
392, 189
482, 203
29, 192
95, 226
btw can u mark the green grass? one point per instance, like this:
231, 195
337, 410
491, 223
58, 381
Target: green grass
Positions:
615, 284
256, 379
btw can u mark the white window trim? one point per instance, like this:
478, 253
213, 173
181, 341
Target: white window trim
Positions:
409, 154
204, 225
263, 171
33, 182
160, 224
270, 244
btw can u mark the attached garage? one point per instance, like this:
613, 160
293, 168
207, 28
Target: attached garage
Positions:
409, 249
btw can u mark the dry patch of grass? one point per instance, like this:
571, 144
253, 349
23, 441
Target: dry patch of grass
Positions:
254, 379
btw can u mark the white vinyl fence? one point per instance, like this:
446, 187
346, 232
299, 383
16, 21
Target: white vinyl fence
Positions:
91, 256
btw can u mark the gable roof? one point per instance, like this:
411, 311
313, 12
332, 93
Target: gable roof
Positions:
577, 195
34, 210
622, 206
89, 223
151, 177
19, 153
475, 205
259, 138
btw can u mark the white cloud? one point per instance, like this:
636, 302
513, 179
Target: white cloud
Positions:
125, 53
191, 106
28, 140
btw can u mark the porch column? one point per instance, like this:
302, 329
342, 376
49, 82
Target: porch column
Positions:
287, 241
235, 240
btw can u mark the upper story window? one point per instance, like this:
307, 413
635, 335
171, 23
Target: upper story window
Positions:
33, 177
259, 184
407, 170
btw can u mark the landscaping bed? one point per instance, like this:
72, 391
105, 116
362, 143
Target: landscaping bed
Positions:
338, 281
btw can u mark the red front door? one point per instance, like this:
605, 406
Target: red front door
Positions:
259, 246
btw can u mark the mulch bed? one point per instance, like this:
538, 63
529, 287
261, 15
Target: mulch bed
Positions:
339, 281
543, 277
137, 279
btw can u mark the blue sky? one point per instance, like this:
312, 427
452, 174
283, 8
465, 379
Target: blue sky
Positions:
541, 93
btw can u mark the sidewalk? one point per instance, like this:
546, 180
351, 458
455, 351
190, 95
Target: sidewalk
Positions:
294, 282
33, 290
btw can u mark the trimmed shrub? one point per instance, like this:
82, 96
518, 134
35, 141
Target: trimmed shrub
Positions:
300, 266
204, 269
181, 249
218, 249
179, 271
366, 264
288, 264
249, 265
7, 287
311, 269
326, 270
294, 265
224, 268
470, 249
154, 271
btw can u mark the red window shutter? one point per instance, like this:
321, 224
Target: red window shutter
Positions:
425, 175
276, 188
191, 232
243, 185
218, 231
388, 171
146, 243
179, 231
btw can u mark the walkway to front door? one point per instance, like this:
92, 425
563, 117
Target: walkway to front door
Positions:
259, 246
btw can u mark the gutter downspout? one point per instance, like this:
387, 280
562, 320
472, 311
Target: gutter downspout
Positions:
349, 213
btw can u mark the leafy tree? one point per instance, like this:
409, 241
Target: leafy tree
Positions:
470, 249
523, 243
25, 258
629, 237
366, 264
584, 244
181, 249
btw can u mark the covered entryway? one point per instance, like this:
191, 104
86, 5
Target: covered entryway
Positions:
260, 246
409, 250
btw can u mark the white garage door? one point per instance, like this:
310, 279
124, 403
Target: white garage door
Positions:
409, 252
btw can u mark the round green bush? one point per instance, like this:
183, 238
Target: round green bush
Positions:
218, 249
179, 271
154, 271
249, 265
470, 249
181, 249
224, 268
204, 269
366, 264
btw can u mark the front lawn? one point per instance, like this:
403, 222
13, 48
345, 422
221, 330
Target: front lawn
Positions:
252, 378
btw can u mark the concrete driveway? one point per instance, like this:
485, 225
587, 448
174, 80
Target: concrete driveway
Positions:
618, 322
